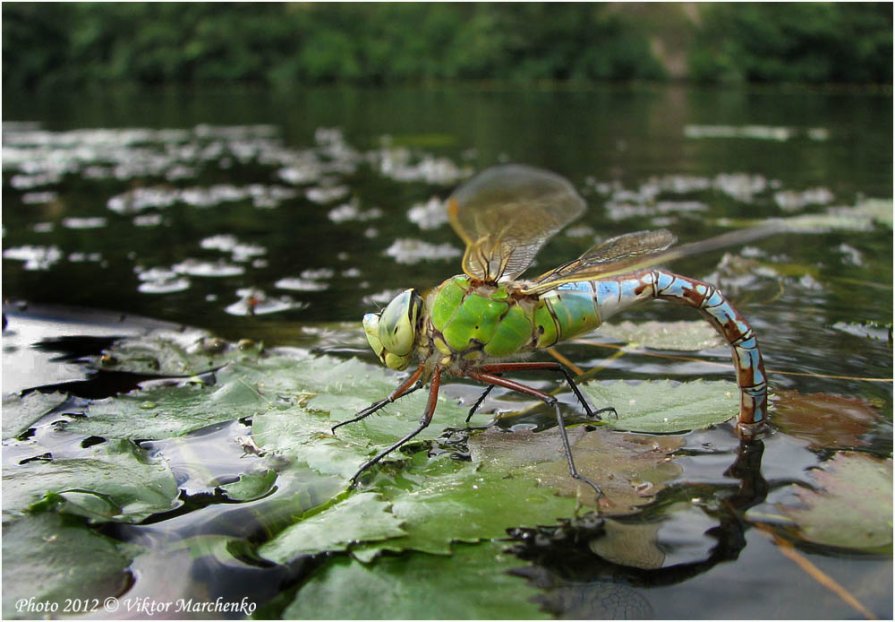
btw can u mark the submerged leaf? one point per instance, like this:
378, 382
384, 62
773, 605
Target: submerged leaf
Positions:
473, 583
665, 406
250, 486
51, 558
852, 507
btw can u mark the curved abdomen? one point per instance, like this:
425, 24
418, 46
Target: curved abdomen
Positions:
580, 307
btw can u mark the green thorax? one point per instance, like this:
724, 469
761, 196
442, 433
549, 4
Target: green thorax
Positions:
468, 320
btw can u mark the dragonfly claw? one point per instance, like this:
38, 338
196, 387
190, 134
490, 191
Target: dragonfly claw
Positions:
596, 414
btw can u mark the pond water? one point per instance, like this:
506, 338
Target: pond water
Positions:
281, 217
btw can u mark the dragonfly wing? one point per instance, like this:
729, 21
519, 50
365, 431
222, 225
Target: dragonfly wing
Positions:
619, 254
506, 214
636, 251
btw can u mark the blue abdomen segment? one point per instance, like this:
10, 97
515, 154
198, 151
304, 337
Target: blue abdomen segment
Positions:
613, 295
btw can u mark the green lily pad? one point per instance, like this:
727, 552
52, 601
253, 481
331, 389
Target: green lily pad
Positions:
165, 354
50, 558
251, 486
448, 502
852, 506
665, 406
473, 583
164, 411
20, 413
683, 335
363, 517
112, 481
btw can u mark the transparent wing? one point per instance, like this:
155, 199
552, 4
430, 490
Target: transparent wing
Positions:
636, 251
611, 255
506, 214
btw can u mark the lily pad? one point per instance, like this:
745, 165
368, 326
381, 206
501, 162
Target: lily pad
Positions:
665, 406
50, 558
826, 420
113, 481
20, 413
866, 330
852, 507
630, 468
860, 217
683, 335
169, 354
363, 517
473, 583
164, 411
448, 502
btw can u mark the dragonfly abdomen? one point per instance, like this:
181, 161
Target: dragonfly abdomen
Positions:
569, 310
618, 293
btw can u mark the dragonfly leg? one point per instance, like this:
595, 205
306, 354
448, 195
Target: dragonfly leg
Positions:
551, 366
478, 402
487, 377
424, 422
410, 385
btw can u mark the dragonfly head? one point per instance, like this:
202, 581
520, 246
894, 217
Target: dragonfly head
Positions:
392, 333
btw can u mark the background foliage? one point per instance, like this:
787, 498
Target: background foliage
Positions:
80, 44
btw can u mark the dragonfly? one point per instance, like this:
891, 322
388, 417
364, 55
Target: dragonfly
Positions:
479, 324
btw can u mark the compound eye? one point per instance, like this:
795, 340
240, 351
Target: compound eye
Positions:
398, 323
371, 329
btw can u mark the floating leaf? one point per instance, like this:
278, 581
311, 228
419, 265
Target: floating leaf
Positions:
361, 518
251, 486
828, 421
174, 355
473, 583
852, 507
866, 330
163, 411
20, 413
452, 501
112, 481
51, 558
630, 468
860, 217
665, 406
683, 335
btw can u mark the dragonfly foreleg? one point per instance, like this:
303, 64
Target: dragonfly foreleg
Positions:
486, 375
407, 387
549, 366
424, 422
